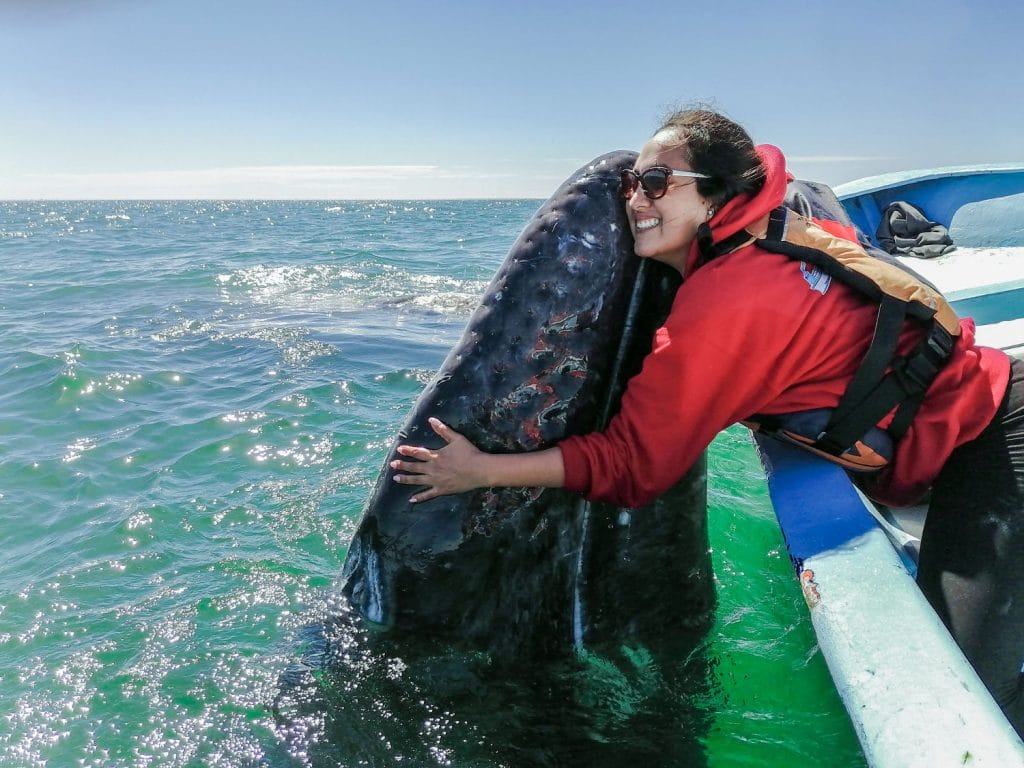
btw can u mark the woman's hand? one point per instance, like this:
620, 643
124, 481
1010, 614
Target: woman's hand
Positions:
455, 468
460, 466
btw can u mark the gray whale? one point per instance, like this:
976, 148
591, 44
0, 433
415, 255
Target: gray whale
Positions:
507, 626
565, 322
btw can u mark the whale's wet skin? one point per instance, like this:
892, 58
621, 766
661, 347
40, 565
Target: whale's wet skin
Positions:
520, 626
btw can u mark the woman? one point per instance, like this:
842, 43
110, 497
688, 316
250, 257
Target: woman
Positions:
753, 331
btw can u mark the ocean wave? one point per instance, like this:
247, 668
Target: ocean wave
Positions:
197, 403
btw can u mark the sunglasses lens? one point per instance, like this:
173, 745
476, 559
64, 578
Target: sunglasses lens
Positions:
655, 182
630, 181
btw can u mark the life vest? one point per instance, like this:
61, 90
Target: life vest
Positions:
885, 381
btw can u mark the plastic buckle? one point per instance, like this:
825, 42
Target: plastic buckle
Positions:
919, 370
940, 342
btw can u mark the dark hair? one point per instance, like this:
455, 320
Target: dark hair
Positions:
717, 146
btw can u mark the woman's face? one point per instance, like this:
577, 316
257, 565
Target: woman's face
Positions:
663, 229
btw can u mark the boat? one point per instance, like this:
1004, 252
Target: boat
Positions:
911, 695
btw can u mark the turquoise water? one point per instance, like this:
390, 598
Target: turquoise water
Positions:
196, 400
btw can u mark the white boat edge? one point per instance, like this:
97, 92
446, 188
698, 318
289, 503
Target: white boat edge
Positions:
913, 698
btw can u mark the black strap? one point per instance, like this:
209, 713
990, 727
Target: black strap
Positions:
709, 249
903, 388
904, 415
891, 316
925, 363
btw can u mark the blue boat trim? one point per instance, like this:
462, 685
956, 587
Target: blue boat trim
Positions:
798, 483
938, 192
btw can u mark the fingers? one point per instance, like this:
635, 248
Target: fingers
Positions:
416, 467
411, 479
417, 470
429, 467
416, 452
442, 429
425, 454
426, 495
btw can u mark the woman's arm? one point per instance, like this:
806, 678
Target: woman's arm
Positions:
461, 466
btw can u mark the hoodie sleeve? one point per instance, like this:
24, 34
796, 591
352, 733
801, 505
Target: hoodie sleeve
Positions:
718, 359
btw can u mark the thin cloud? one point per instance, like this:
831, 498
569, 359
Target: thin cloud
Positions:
273, 173
285, 182
257, 181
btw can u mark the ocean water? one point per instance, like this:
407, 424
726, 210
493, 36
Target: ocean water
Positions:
196, 399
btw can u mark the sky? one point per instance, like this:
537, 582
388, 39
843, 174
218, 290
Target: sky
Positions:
311, 99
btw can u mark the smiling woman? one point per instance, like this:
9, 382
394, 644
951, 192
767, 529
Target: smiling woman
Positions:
698, 163
719, 157
663, 230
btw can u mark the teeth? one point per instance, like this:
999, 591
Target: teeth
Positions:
647, 224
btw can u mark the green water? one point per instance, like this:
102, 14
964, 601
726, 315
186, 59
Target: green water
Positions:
196, 400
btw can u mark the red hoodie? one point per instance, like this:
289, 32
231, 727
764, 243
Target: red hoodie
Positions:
747, 334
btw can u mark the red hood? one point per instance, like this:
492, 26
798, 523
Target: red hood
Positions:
744, 210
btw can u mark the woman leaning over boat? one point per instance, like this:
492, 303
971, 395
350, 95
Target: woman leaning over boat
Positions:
757, 331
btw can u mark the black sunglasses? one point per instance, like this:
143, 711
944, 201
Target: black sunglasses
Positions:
653, 181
